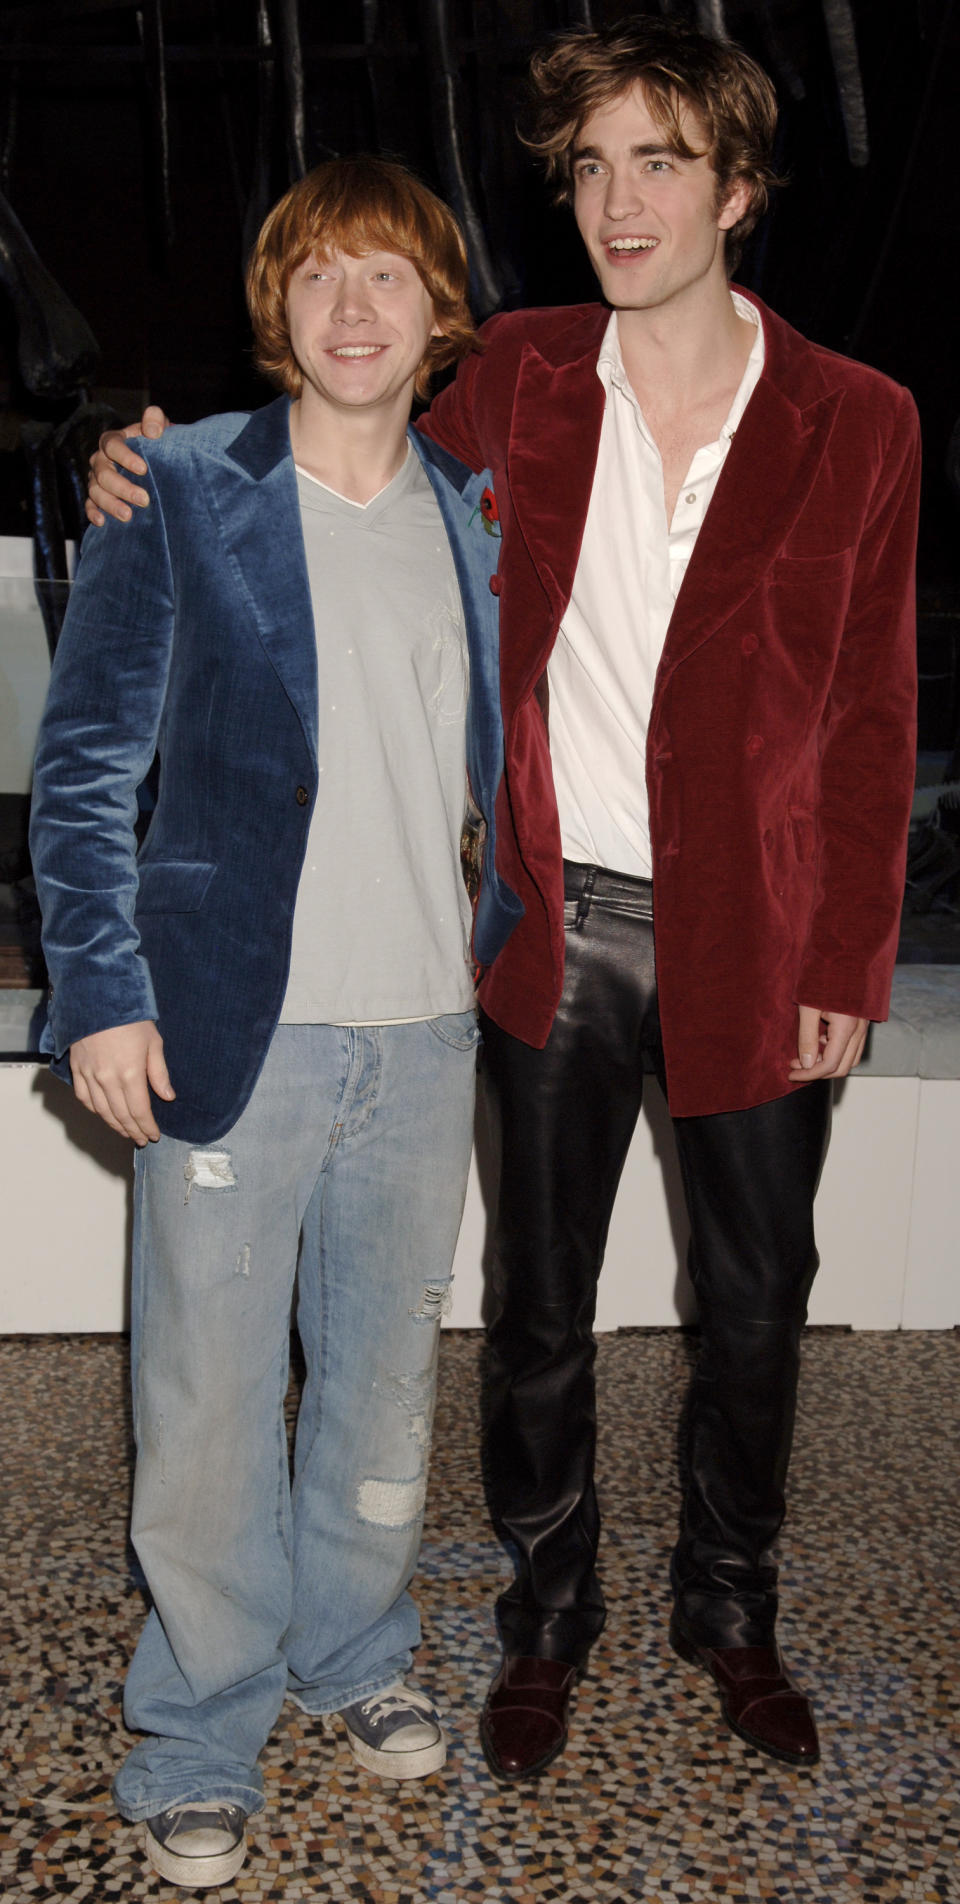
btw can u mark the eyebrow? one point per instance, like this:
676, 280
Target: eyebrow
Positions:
647, 151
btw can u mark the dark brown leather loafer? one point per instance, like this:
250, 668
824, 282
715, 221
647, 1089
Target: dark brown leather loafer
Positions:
523, 1725
758, 1700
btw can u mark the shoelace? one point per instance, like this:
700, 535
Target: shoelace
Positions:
383, 1704
177, 1813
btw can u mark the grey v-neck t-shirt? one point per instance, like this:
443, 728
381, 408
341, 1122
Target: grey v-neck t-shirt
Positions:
382, 922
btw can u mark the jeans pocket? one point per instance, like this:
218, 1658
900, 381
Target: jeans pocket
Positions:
459, 1029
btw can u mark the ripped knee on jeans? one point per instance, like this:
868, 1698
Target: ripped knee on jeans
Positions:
208, 1170
436, 1300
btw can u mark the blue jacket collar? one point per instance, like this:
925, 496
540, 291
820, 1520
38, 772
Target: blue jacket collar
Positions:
264, 441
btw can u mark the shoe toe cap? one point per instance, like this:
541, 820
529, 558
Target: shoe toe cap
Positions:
521, 1740
783, 1723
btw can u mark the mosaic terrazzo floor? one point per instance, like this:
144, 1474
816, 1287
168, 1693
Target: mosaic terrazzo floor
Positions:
653, 1800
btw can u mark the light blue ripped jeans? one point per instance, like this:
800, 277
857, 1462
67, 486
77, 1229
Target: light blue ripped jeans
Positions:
351, 1159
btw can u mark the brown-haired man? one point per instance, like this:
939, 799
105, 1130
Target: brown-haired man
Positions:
275, 998
708, 531
706, 603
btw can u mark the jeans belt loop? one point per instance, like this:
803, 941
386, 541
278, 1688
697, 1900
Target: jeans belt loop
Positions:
585, 900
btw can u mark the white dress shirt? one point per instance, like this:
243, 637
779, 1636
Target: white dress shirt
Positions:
602, 670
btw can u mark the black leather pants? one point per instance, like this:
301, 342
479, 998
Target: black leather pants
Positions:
563, 1119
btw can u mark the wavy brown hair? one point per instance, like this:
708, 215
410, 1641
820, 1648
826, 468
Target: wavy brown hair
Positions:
358, 205
580, 72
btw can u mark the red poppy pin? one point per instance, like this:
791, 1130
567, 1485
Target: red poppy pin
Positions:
489, 513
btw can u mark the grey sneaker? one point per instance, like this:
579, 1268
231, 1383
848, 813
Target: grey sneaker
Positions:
396, 1733
197, 1845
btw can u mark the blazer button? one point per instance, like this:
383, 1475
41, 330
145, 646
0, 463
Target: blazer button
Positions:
749, 644
495, 584
302, 796
755, 744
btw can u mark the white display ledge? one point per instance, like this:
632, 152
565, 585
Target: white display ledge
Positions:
888, 1214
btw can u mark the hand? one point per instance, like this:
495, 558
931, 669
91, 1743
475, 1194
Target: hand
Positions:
829, 1044
110, 491
111, 1074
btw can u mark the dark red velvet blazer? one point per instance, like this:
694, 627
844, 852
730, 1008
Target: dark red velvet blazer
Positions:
781, 747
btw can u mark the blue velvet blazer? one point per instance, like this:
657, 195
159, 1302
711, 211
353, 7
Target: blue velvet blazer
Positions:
190, 635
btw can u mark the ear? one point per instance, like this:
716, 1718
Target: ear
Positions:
735, 205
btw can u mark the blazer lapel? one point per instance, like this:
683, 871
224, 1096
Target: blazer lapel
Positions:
459, 492
254, 496
551, 458
762, 490
475, 552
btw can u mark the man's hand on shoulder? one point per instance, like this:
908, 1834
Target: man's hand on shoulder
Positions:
109, 492
113, 1071
829, 1044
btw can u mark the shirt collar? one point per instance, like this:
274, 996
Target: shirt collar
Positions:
752, 369
612, 375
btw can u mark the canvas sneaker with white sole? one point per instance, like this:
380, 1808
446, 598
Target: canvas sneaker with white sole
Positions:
396, 1733
197, 1845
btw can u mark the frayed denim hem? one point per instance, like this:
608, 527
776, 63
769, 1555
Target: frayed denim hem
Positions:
208, 1791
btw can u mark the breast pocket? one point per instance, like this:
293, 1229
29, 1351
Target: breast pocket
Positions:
834, 568
807, 599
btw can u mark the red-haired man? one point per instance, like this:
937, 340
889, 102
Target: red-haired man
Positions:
274, 999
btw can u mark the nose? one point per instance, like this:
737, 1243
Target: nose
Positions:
352, 304
623, 197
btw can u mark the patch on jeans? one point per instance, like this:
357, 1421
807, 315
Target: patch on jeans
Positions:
208, 1170
436, 1301
399, 1504
393, 1504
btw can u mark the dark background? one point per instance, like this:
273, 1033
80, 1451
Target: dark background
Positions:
859, 255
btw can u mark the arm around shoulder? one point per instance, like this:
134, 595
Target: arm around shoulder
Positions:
450, 422
110, 493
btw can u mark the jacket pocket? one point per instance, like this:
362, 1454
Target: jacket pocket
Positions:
173, 885
831, 566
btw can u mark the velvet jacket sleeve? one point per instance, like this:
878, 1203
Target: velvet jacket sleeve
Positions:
868, 751
450, 421
97, 742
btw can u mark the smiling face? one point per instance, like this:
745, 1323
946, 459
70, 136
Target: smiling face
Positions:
359, 328
650, 219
